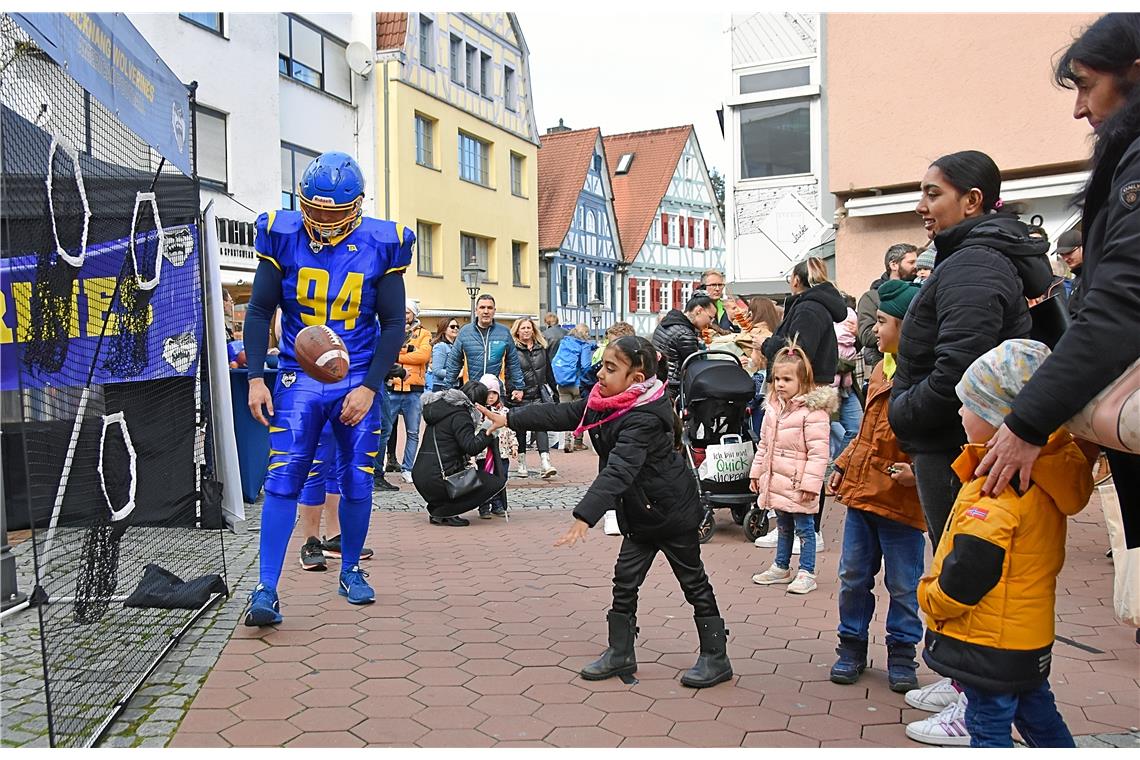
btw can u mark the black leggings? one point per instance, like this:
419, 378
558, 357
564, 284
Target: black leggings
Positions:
684, 556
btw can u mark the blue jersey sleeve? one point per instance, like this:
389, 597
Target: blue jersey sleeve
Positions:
402, 258
263, 242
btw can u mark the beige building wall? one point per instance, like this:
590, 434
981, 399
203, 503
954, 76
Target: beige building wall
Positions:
904, 89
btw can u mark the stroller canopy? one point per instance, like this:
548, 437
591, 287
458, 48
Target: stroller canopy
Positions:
716, 379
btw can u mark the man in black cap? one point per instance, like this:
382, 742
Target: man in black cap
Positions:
1070, 251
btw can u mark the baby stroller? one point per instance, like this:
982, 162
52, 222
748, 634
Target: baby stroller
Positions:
713, 402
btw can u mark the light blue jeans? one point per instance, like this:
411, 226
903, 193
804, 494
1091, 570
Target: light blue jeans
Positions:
844, 430
407, 405
804, 527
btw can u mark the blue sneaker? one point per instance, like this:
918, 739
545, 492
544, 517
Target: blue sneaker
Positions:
264, 607
353, 586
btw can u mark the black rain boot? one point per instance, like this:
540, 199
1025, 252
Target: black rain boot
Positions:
712, 666
852, 660
618, 659
902, 670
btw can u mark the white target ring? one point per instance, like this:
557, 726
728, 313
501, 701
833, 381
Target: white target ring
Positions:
141, 198
118, 419
59, 141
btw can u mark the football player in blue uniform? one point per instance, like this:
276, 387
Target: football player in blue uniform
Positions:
326, 264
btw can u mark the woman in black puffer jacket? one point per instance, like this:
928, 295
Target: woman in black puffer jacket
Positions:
531, 348
810, 314
975, 298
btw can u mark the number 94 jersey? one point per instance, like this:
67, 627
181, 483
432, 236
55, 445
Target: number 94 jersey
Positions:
336, 286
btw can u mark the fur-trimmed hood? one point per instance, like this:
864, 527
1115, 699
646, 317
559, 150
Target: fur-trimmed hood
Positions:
824, 397
439, 404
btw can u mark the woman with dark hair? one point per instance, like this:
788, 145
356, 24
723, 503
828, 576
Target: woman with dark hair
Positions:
452, 437
1103, 66
679, 336
440, 347
531, 347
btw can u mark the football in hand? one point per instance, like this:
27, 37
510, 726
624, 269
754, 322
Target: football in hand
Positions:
321, 353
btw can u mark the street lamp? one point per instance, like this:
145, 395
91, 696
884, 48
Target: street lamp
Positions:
595, 307
472, 273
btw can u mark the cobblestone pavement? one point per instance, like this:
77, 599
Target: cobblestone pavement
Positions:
476, 640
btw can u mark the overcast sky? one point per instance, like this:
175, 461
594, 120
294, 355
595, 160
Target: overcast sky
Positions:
626, 72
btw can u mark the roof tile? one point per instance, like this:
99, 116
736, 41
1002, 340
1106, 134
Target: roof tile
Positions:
562, 164
391, 29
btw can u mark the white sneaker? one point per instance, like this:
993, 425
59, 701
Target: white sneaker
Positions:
522, 472
819, 543
803, 583
773, 575
407, 476
946, 729
933, 698
610, 525
768, 540
548, 470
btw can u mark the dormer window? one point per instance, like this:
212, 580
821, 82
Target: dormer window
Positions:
623, 164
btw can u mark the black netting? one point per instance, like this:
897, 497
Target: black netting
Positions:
105, 386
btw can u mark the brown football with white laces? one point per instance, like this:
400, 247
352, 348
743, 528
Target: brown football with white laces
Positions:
321, 353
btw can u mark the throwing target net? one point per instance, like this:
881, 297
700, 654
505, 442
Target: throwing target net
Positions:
102, 348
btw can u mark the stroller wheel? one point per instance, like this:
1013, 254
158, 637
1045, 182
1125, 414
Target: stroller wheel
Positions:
708, 527
755, 523
738, 514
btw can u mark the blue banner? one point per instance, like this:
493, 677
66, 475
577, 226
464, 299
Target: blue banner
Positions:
175, 324
108, 57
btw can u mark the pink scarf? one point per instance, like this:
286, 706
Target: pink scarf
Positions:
634, 396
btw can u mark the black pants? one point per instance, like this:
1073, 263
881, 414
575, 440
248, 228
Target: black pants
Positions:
684, 555
938, 487
1126, 480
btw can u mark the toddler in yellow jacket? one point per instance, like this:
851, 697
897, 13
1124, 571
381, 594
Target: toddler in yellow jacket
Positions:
989, 596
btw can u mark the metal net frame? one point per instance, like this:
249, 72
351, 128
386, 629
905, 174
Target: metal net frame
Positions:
100, 235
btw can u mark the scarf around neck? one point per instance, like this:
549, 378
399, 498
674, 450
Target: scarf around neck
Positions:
634, 396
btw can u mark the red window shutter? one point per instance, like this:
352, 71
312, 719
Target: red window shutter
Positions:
654, 296
680, 232
691, 238
632, 294
677, 294
706, 234
665, 229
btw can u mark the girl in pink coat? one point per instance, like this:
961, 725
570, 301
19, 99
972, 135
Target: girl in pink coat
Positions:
790, 463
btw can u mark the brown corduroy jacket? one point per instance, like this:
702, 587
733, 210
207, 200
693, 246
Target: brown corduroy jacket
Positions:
866, 484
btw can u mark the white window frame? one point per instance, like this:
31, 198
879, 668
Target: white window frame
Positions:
665, 294
591, 285
518, 174
455, 58
427, 47
328, 40
486, 74
571, 274
425, 249
673, 243
686, 292
425, 156
482, 253
643, 294
608, 289
471, 67
215, 114
484, 156
510, 87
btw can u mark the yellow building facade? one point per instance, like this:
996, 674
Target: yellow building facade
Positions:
457, 156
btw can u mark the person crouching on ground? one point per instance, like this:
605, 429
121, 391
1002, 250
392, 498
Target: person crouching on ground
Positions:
990, 593
791, 459
885, 525
636, 434
508, 449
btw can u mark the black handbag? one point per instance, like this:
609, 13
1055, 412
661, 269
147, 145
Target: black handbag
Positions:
1050, 320
461, 483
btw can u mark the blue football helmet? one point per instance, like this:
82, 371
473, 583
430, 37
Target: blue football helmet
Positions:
331, 197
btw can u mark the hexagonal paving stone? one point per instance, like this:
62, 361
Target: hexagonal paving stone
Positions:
327, 739
402, 732
619, 701
393, 706
452, 717
343, 697
332, 679
707, 733
505, 704
386, 669
445, 695
753, 718
207, 721
326, 719
387, 687
824, 727
455, 737
267, 708
515, 727
583, 736
260, 733
865, 713
274, 687
684, 710
569, 715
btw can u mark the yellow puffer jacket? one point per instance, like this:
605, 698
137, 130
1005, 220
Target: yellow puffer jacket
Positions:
990, 592
414, 356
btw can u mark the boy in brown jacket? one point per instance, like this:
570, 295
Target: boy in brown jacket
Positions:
884, 520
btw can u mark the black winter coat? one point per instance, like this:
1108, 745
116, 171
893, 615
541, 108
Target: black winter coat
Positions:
536, 370
676, 338
640, 473
451, 426
973, 300
811, 316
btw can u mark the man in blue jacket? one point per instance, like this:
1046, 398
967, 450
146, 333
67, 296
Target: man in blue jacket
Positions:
485, 345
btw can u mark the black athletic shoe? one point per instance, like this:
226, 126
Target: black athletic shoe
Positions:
312, 556
331, 548
380, 484
454, 522
499, 510
392, 466
484, 513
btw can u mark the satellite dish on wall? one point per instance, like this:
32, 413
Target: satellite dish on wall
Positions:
359, 58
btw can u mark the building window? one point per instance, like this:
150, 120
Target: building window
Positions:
518, 169
607, 290
472, 67
775, 139
517, 256
665, 294
425, 141
583, 286
455, 59
425, 246
563, 294
212, 154
427, 42
485, 71
673, 230
599, 286
686, 293
780, 79
209, 21
475, 251
313, 57
509, 88
293, 163
474, 160
643, 295
624, 163
570, 277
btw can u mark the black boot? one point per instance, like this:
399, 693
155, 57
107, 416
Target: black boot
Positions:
852, 660
712, 666
902, 670
618, 659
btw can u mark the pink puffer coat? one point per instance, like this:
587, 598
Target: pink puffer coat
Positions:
792, 456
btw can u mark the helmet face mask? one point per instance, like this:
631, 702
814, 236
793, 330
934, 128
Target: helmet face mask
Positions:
331, 196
